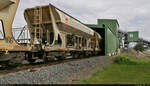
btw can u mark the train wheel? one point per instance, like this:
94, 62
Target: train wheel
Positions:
4, 64
63, 56
12, 63
45, 58
75, 55
59, 58
31, 61
82, 55
87, 54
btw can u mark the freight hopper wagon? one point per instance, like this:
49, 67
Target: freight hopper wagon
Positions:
55, 34
10, 51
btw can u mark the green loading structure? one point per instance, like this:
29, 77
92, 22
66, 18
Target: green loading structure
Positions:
108, 29
133, 36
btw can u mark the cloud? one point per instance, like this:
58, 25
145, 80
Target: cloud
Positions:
131, 14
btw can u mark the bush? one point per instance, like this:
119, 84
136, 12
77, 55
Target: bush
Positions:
139, 47
124, 60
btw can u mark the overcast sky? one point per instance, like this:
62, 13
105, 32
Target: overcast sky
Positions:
132, 15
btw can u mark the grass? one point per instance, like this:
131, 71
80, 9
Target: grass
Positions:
125, 70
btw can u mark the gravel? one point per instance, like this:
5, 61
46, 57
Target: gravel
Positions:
63, 73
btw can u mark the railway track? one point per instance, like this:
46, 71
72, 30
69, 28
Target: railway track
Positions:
35, 66
56, 73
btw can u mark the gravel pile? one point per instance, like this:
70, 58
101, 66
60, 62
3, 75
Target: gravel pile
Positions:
56, 74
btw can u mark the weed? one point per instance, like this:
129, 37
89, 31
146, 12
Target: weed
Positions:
124, 60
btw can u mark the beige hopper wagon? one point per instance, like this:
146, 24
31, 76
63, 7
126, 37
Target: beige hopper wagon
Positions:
54, 34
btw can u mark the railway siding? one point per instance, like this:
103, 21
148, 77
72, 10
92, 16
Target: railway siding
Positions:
55, 74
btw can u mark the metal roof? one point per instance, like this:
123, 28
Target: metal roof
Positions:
110, 20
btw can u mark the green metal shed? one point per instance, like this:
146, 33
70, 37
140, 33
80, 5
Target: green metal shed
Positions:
108, 29
112, 24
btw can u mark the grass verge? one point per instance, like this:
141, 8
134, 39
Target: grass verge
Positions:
125, 70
